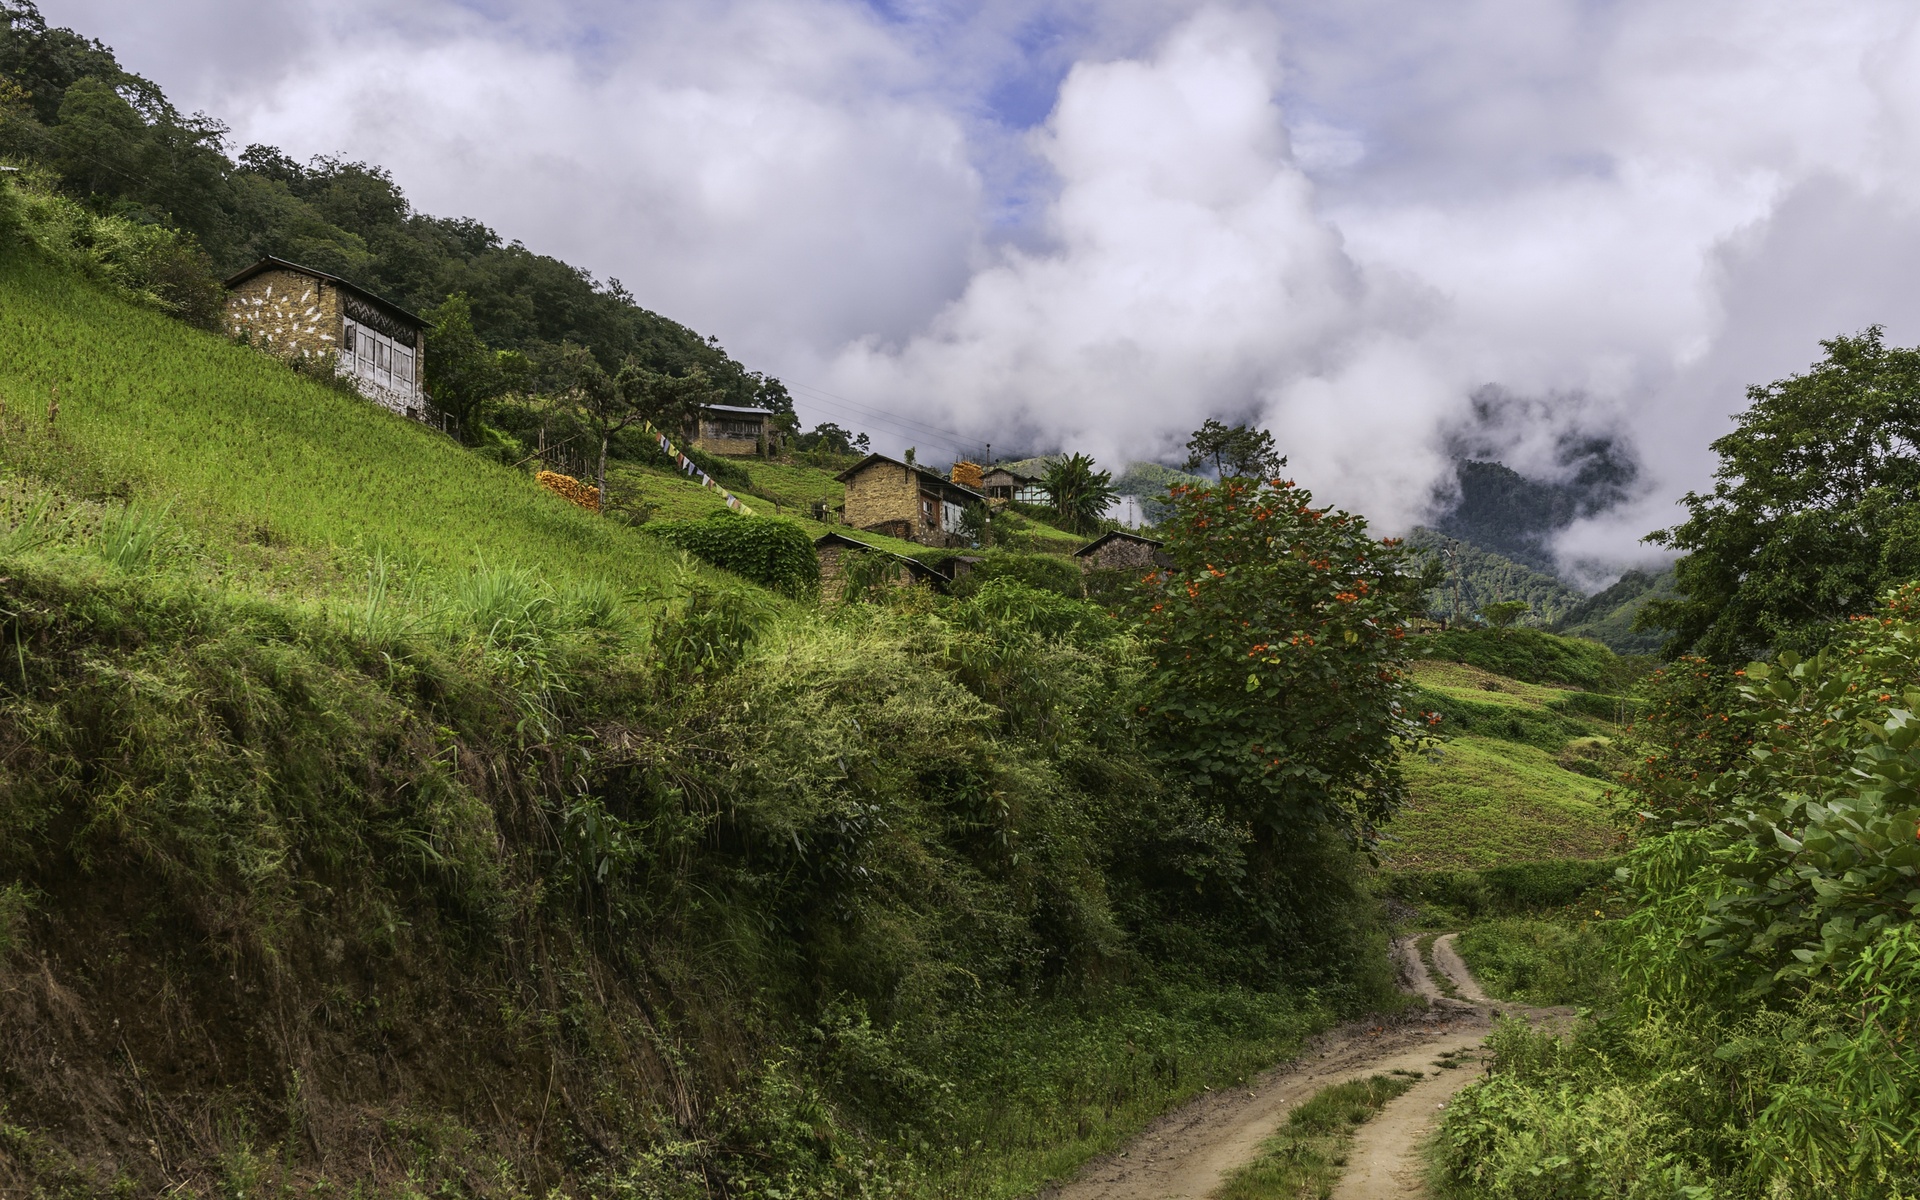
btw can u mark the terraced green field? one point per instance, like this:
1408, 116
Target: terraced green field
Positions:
1498, 793
242, 452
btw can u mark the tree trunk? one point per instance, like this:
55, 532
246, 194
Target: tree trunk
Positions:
602, 481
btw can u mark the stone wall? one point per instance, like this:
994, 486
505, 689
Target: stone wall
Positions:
884, 492
286, 313
1118, 554
732, 447
833, 570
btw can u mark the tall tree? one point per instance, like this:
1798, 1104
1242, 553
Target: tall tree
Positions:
1234, 451
1814, 512
1279, 659
1080, 495
462, 374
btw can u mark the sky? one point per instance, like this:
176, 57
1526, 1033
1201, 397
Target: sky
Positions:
1389, 231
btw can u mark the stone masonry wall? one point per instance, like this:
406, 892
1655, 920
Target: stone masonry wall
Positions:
884, 492
1117, 554
287, 314
732, 447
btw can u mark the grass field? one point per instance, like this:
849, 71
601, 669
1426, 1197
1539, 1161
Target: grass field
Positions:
1488, 800
1464, 682
241, 450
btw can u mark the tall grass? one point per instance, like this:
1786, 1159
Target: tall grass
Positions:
151, 406
130, 537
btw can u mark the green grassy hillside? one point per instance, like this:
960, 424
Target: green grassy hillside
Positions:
244, 451
1525, 773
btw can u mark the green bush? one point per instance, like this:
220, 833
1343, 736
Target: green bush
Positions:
1047, 572
770, 551
1532, 656
1521, 887
1514, 888
1538, 962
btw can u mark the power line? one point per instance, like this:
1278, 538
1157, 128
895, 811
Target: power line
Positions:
831, 400
905, 427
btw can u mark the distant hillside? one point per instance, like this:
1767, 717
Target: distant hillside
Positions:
1608, 616
1531, 720
1485, 577
1501, 510
1148, 483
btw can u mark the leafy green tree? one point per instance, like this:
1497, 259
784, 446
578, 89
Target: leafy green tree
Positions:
1814, 512
976, 525
1505, 613
1279, 658
831, 438
1080, 495
462, 373
1234, 450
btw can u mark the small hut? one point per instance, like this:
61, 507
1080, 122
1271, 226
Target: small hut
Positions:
726, 429
1122, 551
834, 550
1002, 484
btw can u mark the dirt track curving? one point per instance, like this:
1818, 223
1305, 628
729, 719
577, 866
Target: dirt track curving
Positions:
1189, 1152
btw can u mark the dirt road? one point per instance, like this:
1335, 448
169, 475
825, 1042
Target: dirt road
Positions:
1189, 1152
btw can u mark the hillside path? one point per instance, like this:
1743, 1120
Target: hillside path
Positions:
1189, 1152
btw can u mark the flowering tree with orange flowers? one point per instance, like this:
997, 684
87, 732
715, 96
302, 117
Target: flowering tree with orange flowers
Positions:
1279, 658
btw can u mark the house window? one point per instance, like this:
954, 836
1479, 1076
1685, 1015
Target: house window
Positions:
929, 512
377, 360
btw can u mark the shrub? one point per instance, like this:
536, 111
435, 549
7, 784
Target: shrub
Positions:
1532, 656
1515, 888
1047, 572
1539, 962
770, 551
1279, 662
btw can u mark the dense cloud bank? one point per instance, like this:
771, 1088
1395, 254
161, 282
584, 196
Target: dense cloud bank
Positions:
1092, 225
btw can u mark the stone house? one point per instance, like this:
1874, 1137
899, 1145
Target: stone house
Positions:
1002, 484
725, 429
298, 312
834, 549
885, 495
1122, 551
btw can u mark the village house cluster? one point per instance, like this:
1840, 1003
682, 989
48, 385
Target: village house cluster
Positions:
300, 313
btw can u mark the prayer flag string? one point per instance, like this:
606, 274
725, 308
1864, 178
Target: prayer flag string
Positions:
692, 468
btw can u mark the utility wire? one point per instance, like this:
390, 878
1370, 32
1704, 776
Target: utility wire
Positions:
905, 427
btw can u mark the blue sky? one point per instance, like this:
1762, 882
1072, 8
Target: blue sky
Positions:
1091, 225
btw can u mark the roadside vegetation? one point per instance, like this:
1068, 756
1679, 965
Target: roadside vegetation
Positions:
1756, 1041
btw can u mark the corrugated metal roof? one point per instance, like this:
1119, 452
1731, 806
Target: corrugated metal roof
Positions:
917, 469
270, 263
